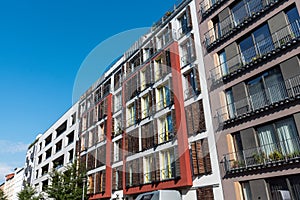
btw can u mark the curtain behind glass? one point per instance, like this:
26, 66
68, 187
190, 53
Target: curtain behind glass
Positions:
267, 139
288, 137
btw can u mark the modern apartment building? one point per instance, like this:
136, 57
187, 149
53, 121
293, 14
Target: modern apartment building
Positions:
55, 148
251, 56
145, 125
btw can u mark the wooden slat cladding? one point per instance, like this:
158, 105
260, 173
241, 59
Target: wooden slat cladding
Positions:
91, 160
200, 157
133, 141
177, 162
205, 193
102, 110
134, 175
117, 178
147, 136
101, 156
131, 87
195, 118
100, 179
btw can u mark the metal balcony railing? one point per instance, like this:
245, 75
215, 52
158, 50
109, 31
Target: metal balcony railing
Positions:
165, 136
163, 104
207, 5
167, 173
166, 38
187, 59
147, 177
190, 92
261, 99
131, 121
281, 39
146, 112
243, 14
283, 151
183, 30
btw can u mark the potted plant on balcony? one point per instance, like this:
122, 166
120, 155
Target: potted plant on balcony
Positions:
276, 156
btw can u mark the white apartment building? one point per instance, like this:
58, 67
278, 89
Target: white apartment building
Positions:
53, 149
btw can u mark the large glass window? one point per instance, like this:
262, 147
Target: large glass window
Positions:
266, 89
148, 162
167, 164
294, 20
280, 138
230, 103
165, 128
163, 97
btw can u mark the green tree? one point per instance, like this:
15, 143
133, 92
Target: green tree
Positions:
2, 195
28, 193
67, 184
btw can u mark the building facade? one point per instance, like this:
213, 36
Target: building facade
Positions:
54, 149
252, 61
9, 186
145, 125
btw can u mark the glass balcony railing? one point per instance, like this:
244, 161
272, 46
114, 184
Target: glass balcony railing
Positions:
239, 17
263, 49
167, 173
187, 59
285, 151
271, 96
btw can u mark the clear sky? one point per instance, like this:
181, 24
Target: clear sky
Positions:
42, 46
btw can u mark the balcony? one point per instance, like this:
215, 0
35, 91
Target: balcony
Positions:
187, 59
207, 6
271, 155
183, 30
166, 38
190, 92
248, 12
164, 103
167, 173
277, 95
259, 52
165, 136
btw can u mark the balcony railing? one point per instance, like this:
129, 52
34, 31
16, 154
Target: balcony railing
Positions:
187, 59
183, 30
164, 103
286, 151
147, 177
146, 112
206, 6
165, 136
131, 121
190, 92
167, 173
274, 95
244, 14
165, 39
263, 49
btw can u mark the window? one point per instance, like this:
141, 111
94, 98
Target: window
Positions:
188, 51
192, 83
117, 125
145, 106
148, 165
201, 157
73, 118
230, 103
117, 80
118, 102
246, 190
70, 138
59, 162
148, 136
163, 97
143, 80
165, 128
48, 153
266, 89
279, 139
164, 38
48, 140
131, 115
294, 20
185, 22
44, 185
62, 128
117, 179
101, 156
40, 159
45, 169
117, 151
58, 146
71, 155
223, 63
258, 43
101, 132
167, 161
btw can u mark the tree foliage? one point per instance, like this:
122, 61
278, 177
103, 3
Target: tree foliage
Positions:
66, 184
28, 193
2, 195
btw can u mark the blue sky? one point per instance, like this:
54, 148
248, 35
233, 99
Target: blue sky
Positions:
42, 46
